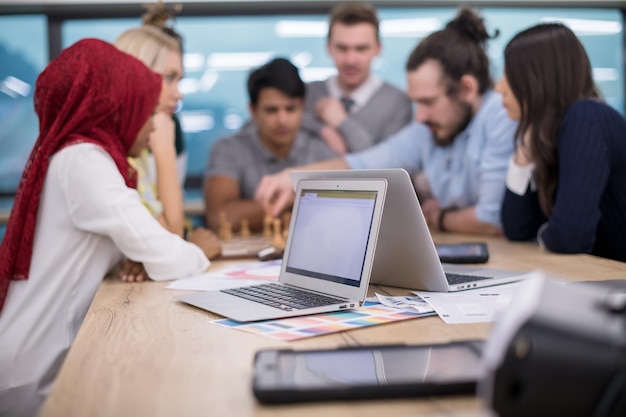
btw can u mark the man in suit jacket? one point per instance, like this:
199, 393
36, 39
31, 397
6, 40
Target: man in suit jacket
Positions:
354, 109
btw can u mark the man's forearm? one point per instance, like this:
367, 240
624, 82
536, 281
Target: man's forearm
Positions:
274, 192
330, 164
465, 221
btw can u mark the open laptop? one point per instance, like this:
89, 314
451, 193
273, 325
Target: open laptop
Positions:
406, 255
328, 255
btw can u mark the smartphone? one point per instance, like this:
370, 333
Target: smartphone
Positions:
363, 372
463, 253
270, 253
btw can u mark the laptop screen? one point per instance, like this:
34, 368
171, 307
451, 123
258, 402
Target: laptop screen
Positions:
330, 235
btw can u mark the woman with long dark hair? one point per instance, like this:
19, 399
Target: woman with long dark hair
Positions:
566, 183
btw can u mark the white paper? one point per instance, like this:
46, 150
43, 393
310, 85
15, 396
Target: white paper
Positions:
206, 282
255, 270
472, 306
406, 303
235, 276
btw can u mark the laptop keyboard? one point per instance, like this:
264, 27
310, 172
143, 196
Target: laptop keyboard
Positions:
283, 297
454, 279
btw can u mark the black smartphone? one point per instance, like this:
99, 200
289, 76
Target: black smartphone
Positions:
363, 372
463, 253
270, 253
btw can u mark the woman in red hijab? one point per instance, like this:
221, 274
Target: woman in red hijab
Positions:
76, 214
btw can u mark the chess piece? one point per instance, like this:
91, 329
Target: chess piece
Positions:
286, 218
267, 225
245, 228
221, 217
226, 230
278, 241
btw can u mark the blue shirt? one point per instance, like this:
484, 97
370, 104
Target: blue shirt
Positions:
470, 172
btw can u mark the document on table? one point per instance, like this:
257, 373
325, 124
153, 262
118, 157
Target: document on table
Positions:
236, 276
405, 303
471, 306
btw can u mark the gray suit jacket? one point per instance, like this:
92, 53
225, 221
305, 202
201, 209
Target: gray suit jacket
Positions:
388, 111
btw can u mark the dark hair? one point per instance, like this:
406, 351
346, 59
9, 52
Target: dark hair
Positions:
460, 50
279, 73
158, 15
548, 70
352, 13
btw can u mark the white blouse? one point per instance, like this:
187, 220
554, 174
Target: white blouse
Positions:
88, 219
518, 177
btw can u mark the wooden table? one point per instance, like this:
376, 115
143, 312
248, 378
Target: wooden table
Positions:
140, 353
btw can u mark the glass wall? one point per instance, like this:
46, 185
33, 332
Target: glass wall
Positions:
220, 51
23, 55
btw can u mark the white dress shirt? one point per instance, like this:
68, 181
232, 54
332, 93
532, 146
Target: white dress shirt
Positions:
88, 218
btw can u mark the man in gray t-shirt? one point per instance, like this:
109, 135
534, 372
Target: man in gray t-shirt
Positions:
270, 143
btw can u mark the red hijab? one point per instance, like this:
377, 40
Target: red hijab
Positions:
91, 93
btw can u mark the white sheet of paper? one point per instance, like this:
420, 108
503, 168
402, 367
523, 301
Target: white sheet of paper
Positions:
254, 270
471, 306
207, 282
405, 303
235, 276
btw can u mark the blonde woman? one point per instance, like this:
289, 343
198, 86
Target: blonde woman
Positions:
160, 174
162, 53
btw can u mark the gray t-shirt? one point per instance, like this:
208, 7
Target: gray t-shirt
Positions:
243, 158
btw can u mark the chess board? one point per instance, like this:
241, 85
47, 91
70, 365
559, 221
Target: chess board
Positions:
244, 247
